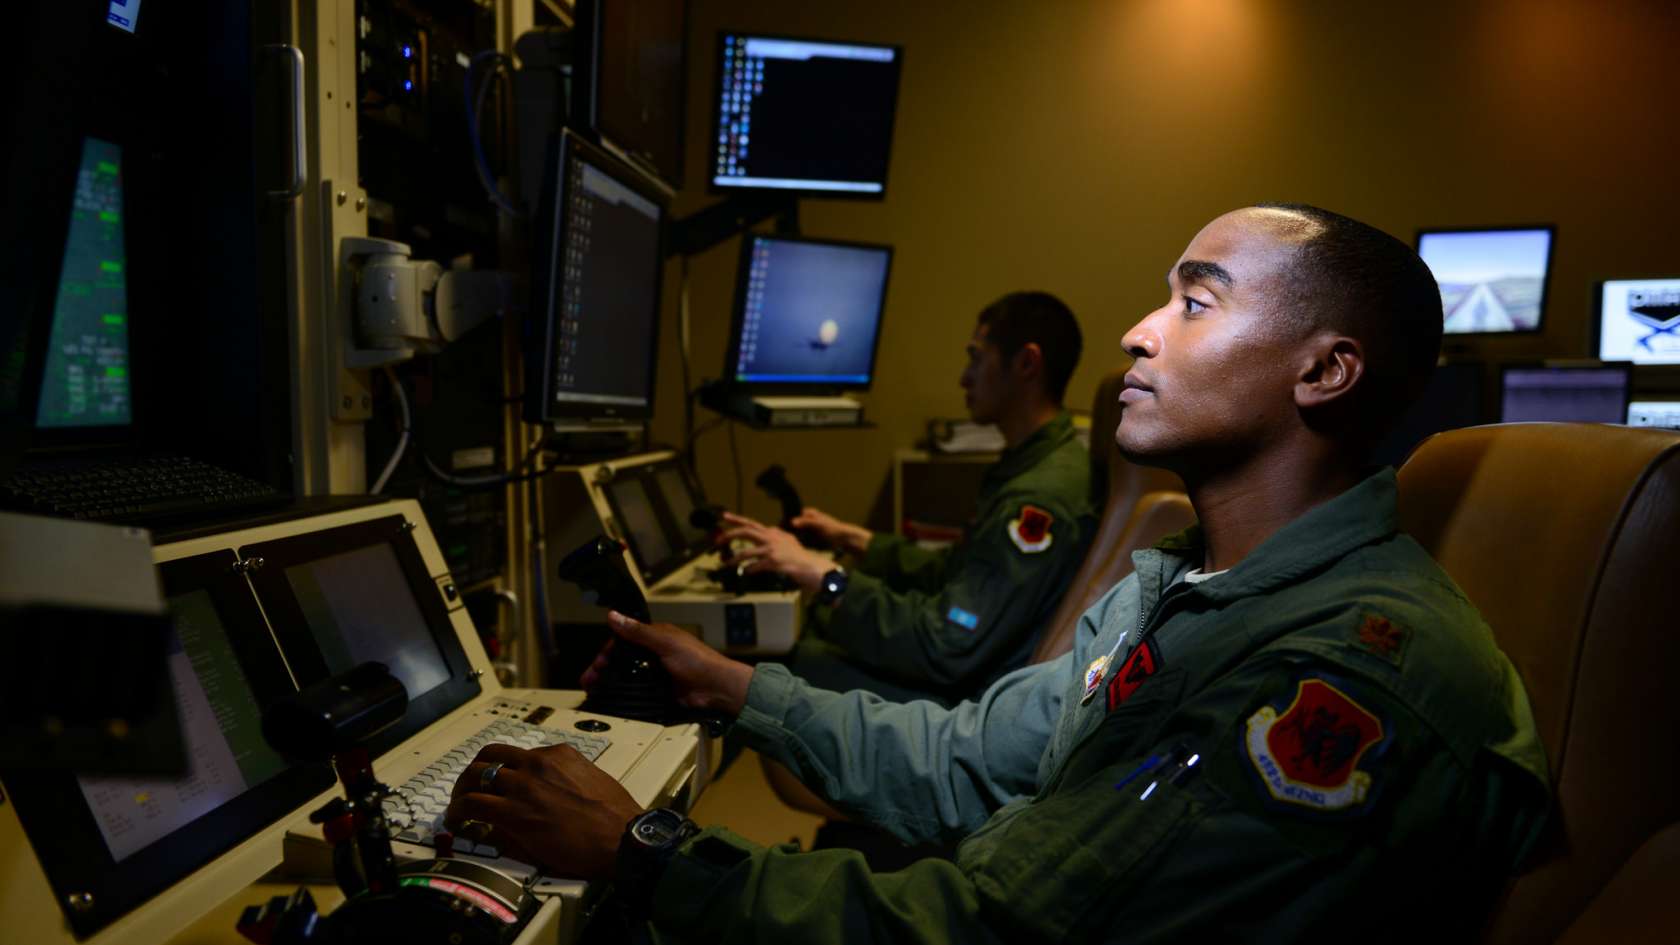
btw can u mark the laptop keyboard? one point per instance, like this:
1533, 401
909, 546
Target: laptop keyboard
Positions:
415, 810
134, 490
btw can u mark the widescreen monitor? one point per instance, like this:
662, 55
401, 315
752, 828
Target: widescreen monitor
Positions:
1638, 320
1585, 394
628, 80
807, 313
1662, 414
593, 332
803, 116
1493, 281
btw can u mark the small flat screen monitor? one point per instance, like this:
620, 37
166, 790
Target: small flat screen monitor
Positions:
593, 334
1593, 394
1663, 414
85, 383
803, 116
651, 503
807, 313
1639, 321
1452, 400
1493, 281
650, 543
629, 79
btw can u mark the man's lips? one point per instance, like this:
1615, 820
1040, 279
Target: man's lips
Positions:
1135, 390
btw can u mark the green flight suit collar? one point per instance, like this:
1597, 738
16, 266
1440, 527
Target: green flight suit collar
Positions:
1363, 515
1031, 451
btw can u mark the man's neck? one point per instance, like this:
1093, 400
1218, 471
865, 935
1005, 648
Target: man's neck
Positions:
1024, 420
1240, 508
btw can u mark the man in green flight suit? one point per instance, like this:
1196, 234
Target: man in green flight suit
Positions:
1287, 725
906, 623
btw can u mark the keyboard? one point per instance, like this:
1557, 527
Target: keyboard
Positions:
134, 490
415, 810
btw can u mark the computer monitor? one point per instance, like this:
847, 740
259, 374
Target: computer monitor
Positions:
108, 844
652, 503
1452, 400
1493, 280
629, 79
1586, 394
807, 313
1663, 414
85, 383
1638, 320
593, 331
803, 116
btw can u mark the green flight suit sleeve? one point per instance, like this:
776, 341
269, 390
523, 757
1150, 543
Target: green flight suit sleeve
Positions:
990, 601
1144, 845
924, 772
902, 564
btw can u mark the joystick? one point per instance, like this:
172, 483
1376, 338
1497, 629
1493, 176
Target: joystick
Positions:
634, 684
774, 481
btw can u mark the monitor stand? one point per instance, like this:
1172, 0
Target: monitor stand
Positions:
761, 409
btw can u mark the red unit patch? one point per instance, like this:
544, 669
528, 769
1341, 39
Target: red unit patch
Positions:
1030, 531
1309, 754
1143, 663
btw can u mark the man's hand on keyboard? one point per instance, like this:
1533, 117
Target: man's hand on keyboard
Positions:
702, 677
551, 807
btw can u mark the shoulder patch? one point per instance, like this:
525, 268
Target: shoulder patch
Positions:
1309, 753
1384, 638
966, 619
1030, 529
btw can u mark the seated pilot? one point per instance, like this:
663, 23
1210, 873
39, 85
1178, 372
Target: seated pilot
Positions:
1287, 725
908, 623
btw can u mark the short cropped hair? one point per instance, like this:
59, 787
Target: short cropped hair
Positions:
1352, 278
1022, 318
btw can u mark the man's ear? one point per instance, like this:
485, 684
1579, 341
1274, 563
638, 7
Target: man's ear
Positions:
1334, 366
1028, 363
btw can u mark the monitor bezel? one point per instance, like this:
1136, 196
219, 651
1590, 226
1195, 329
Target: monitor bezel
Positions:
715, 106
296, 640
1448, 337
546, 282
732, 352
1665, 398
586, 90
62, 829
1595, 326
1626, 368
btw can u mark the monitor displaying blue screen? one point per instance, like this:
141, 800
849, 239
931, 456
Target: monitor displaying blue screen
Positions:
1639, 321
1491, 280
1565, 394
808, 312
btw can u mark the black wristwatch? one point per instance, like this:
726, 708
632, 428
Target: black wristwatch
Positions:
650, 840
833, 585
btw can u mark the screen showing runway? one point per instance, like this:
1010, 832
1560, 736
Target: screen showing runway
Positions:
1491, 280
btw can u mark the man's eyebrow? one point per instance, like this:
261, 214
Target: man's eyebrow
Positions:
1197, 270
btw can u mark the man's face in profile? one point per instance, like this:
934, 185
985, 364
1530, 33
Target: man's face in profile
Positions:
985, 380
1215, 368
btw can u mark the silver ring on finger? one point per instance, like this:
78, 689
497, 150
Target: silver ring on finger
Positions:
489, 774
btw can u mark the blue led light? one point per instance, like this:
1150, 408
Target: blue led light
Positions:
408, 85
408, 52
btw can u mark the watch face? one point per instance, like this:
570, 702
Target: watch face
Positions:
658, 827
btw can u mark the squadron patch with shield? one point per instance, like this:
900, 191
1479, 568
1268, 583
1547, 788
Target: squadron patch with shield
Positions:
1030, 529
1309, 753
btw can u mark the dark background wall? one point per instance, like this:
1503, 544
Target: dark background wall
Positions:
1078, 146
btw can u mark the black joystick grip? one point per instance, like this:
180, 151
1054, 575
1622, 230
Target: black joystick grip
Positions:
634, 684
774, 481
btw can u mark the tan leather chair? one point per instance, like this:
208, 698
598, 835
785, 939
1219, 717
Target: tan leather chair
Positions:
1567, 537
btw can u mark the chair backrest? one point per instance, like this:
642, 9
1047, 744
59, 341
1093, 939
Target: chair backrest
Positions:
1566, 537
1140, 507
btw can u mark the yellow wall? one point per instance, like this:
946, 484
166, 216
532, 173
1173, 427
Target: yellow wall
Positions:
1077, 146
